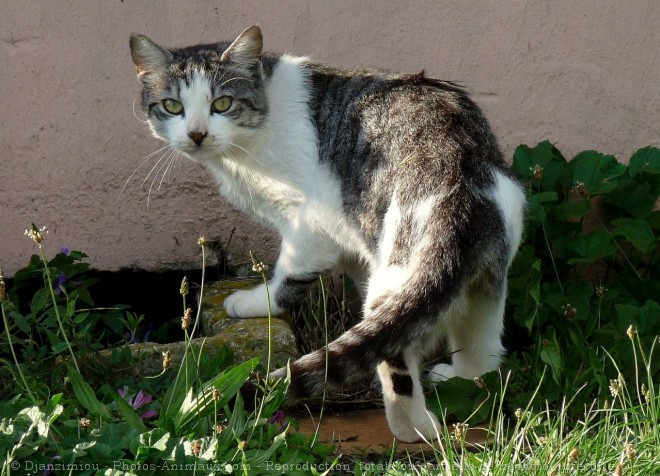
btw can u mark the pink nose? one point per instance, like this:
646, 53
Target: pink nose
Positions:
197, 137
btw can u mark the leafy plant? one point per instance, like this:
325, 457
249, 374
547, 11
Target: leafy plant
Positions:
50, 311
202, 423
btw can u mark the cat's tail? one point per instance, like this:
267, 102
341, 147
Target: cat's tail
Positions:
402, 309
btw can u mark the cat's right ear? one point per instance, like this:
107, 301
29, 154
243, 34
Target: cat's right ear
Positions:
148, 56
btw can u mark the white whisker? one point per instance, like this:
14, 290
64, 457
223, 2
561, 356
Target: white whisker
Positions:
165, 154
247, 152
167, 169
169, 156
175, 162
136, 116
232, 79
140, 166
229, 154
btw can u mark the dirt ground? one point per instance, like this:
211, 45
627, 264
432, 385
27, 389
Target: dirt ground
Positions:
360, 431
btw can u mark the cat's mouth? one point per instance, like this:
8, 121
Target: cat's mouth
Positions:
192, 147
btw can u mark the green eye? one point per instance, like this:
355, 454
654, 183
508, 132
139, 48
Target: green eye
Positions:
221, 104
172, 106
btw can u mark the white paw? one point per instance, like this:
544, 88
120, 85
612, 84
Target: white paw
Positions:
422, 426
441, 372
250, 303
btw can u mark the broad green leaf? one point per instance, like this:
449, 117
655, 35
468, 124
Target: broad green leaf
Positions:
524, 282
20, 321
273, 401
535, 208
646, 318
573, 209
40, 300
456, 396
591, 247
576, 295
545, 197
59, 347
195, 407
632, 196
551, 355
638, 232
646, 160
176, 393
261, 456
85, 394
598, 172
77, 255
53, 403
157, 439
70, 308
543, 156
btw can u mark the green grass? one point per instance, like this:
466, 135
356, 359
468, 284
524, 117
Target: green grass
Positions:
621, 437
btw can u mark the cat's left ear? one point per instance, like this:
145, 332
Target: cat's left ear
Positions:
148, 56
246, 49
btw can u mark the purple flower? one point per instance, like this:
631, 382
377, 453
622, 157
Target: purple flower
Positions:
149, 414
141, 399
278, 417
60, 281
64, 250
122, 392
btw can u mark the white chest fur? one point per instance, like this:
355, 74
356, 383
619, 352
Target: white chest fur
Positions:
274, 174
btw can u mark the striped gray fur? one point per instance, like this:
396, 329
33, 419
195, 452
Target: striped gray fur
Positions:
397, 172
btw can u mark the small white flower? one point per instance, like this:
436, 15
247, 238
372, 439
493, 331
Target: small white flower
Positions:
36, 234
259, 267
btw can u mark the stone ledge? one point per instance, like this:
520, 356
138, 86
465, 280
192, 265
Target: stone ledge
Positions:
246, 338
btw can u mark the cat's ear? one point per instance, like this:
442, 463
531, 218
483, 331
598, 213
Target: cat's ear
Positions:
148, 56
246, 49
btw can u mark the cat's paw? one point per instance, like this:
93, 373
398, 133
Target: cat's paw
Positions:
250, 303
441, 372
417, 427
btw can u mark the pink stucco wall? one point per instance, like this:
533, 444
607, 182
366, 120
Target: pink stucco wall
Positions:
584, 74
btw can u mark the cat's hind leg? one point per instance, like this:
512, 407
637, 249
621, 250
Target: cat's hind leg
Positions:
403, 395
474, 339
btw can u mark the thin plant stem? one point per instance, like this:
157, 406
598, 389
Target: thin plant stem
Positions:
185, 354
552, 258
202, 244
188, 346
270, 327
616, 243
13, 353
325, 331
259, 266
57, 311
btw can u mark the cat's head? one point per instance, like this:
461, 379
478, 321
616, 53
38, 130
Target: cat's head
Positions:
202, 99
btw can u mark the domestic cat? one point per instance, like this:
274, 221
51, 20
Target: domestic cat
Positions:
395, 178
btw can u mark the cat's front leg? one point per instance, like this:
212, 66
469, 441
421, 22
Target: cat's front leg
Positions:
302, 259
253, 302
